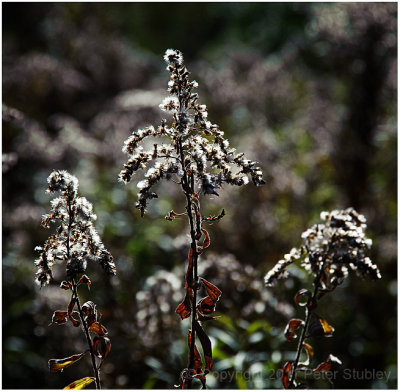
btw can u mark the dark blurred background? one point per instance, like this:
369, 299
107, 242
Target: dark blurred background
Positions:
307, 89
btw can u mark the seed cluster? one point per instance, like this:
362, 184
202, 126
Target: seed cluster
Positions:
191, 135
340, 243
77, 240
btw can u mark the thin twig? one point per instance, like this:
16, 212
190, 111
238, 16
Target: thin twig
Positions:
76, 298
305, 327
86, 329
188, 189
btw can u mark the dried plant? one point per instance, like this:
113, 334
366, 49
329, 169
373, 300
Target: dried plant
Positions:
76, 242
198, 157
329, 250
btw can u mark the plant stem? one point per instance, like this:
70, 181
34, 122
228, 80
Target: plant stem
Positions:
76, 298
305, 327
188, 190
86, 329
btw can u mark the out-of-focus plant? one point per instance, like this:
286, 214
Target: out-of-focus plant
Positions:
329, 250
199, 159
76, 242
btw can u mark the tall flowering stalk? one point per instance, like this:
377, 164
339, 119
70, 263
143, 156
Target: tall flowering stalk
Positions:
76, 242
329, 250
196, 155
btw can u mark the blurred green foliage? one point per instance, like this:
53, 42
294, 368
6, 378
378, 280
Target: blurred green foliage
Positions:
307, 89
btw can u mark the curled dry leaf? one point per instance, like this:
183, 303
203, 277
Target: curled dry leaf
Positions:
214, 218
213, 291
327, 365
71, 305
60, 317
66, 285
304, 298
197, 363
184, 308
84, 280
320, 328
90, 312
292, 325
171, 216
101, 346
287, 372
309, 352
198, 223
206, 242
183, 378
207, 305
79, 384
57, 365
97, 328
202, 317
206, 345
195, 197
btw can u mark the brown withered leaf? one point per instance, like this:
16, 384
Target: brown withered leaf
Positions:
184, 309
213, 291
334, 359
171, 216
183, 378
206, 242
203, 318
90, 312
287, 372
292, 325
71, 305
84, 280
60, 317
323, 367
80, 384
96, 327
66, 285
304, 298
328, 329
101, 346
205, 306
320, 328
195, 197
57, 365
206, 345
309, 352
197, 363
198, 222
215, 218
327, 365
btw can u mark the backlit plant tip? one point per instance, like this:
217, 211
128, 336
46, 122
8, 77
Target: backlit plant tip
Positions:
195, 155
75, 243
329, 250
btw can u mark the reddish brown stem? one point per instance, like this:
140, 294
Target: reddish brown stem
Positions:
187, 187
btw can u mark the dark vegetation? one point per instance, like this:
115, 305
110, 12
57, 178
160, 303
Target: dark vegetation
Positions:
309, 91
